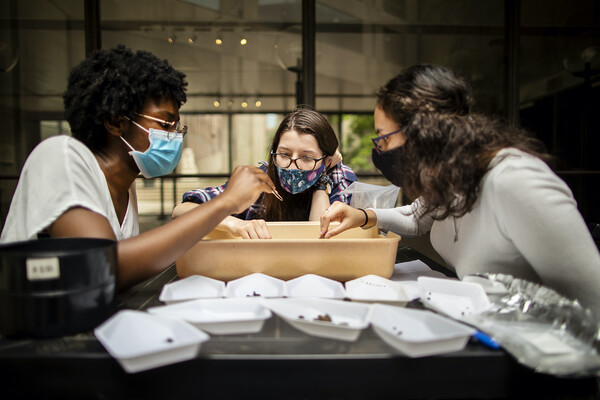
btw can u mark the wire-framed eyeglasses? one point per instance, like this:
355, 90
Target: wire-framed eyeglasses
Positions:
376, 140
304, 163
172, 127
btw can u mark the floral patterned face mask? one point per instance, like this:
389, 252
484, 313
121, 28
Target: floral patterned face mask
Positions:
296, 180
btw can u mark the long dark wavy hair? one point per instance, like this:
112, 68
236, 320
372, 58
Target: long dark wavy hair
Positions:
296, 207
116, 82
448, 149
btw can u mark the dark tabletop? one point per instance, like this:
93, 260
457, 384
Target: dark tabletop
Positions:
278, 362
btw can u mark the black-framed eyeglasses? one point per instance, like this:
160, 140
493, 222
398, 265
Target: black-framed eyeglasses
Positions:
378, 139
304, 163
174, 127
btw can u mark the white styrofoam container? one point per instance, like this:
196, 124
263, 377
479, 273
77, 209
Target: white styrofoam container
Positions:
141, 341
347, 319
191, 288
374, 288
219, 316
256, 285
418, 333
490, 287
311, 285
454, 298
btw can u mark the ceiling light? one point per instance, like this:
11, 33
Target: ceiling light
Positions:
244, 104
216, 103
219, 40
243, 41
258, 103
230, 103
172, 38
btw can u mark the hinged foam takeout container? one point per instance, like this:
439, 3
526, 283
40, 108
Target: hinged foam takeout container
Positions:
327, 318
294, 250
141, 341
418, 333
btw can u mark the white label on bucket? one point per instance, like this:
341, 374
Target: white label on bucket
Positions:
42, 268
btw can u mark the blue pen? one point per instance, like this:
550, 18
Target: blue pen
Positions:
486, 340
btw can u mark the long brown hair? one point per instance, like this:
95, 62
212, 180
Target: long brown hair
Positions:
296, 207
448, 149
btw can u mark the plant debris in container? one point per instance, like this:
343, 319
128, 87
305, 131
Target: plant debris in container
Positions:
324, 317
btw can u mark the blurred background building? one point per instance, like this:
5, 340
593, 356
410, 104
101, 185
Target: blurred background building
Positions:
535, 62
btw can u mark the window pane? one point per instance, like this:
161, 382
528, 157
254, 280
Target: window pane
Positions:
206, 146
252, 135
185, 33
40, 41
361, 45
559, 93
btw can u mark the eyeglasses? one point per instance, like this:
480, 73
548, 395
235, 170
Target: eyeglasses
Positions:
385, 137
173, 127
304, 163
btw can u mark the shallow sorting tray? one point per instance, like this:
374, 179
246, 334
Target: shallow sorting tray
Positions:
256, 285
190, 288
141, 341
373, 288
295, 250
418, 333
311, 285
219, 316
454, 298
326, 318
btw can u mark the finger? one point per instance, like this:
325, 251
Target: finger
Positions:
252, 232
343, 226
263, 230
263, 177
325, 220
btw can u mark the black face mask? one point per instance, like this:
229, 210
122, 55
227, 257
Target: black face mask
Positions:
390, 164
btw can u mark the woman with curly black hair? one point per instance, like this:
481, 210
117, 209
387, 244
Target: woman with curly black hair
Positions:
482, 188
123, 108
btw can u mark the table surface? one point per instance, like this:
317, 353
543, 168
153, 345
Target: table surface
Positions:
278, 362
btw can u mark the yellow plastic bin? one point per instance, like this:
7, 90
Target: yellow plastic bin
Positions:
295, 250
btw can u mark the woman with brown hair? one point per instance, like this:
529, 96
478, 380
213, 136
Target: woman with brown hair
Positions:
306, 169
482, 188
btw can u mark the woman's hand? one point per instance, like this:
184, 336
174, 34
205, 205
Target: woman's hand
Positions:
251, 229
336, 158
244, 187
349, 217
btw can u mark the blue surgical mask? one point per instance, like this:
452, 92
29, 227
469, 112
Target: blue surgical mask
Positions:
163, 154
296, 180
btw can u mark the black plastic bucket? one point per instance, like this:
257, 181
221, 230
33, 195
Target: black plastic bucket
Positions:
57, 286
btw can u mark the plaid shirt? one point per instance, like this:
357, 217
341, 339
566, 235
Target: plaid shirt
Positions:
341, 175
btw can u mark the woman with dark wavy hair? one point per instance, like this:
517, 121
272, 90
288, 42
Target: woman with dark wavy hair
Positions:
306, 169
123, 108
483, 189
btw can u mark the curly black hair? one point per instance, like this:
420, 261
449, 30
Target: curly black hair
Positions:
116, 82
448, 149
447, 155
424, 87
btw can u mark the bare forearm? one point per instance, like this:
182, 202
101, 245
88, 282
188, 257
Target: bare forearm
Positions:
182, 208
320, 202
151, 252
